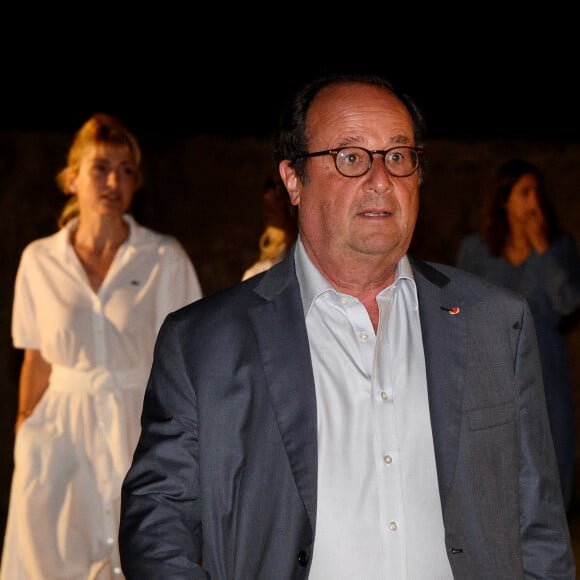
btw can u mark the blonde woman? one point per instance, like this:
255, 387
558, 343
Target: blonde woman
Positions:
88, 303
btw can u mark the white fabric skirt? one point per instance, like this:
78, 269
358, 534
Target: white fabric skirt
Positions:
70, 458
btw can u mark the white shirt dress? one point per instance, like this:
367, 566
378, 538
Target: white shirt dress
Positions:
72, 453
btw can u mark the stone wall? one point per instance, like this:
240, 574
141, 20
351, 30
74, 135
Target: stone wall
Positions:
207, 191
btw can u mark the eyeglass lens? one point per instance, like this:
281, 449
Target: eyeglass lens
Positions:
356, 161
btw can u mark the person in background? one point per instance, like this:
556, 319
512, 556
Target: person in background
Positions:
350, 412
520, 244
88, 303
280, 227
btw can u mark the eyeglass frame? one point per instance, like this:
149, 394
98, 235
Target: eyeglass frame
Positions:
371, 153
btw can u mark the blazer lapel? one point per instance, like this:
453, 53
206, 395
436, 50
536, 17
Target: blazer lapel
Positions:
443, 325
283, 342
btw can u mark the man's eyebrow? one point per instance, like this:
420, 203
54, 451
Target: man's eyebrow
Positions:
402, 139
356, 140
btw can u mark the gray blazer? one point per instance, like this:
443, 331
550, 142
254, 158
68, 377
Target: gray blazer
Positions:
223, 482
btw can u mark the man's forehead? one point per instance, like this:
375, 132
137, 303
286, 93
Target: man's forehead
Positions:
354, 110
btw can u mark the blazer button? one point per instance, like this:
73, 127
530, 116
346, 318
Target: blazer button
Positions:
303, 558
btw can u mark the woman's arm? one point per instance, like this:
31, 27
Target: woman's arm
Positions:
34, 375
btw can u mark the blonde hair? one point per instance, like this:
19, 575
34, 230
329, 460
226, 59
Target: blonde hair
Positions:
98, 129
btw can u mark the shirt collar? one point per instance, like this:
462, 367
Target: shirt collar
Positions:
313, 283
61, 246
73, 224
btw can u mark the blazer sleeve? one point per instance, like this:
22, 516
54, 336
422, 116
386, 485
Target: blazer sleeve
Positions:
545, 539
160, 528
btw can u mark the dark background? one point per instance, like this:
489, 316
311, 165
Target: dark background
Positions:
171, 72
517, 99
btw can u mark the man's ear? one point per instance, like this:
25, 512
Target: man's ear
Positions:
291, 181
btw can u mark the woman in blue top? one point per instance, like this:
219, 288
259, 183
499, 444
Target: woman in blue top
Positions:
522, 246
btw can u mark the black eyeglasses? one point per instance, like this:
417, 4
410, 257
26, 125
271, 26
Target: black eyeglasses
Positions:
400, 161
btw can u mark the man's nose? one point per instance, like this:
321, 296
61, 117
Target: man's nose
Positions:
379, 172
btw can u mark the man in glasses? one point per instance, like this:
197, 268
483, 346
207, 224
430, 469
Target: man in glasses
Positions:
351, 413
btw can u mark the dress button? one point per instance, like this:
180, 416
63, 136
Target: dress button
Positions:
384, 396
303, 558
388, 459
393, 526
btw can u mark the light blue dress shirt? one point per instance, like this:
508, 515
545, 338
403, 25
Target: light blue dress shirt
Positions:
379, 512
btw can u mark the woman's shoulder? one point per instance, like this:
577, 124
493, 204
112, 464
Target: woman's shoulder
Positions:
144, 235
473, 239
566, 239
45, 244
565, 249
473, 244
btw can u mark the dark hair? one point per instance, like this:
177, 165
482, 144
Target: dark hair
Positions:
495, 226
291, 139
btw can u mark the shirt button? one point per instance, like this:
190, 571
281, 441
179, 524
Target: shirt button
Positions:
117, 570
384, 396
343, 301
388, 459
110, 541
393, 526
363, 336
